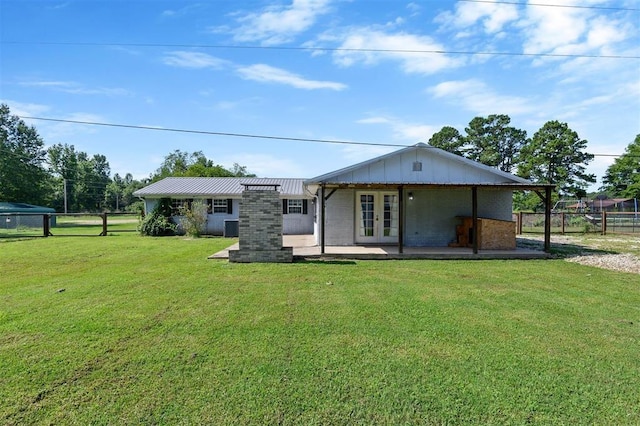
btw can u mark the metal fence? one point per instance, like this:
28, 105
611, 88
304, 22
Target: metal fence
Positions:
14, 225
566, 223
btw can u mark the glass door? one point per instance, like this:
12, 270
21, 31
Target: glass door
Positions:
377, 217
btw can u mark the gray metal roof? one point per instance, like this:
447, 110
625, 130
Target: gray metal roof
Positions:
228, 187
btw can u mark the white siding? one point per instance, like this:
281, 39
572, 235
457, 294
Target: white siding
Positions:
298, 224
215, 221
339, 225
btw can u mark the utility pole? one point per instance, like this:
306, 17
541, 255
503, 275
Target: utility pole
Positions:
64, 181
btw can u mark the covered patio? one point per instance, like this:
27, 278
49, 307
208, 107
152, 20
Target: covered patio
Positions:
304, 248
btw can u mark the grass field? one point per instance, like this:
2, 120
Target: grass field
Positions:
131, 330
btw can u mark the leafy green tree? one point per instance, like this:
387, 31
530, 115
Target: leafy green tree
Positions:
448, 139
23, 177
623, 176
179, 163
84, 179
493, 142
556, 155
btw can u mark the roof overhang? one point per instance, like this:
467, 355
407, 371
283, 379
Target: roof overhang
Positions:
530, 186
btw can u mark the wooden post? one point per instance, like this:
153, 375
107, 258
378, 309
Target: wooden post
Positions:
104, 224
322, 222
547, 219
45, 225
562, 218
604, 222
400, 219
474, 215
520, 217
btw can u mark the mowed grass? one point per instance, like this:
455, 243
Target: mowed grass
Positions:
131, 330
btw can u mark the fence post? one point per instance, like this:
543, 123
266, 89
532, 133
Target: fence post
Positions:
104, 224
562, 218
604, 222
45, 225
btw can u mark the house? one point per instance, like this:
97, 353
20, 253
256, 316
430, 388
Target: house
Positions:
419, 196
222, 196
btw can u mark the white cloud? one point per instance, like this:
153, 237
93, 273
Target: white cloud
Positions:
268, 74
25, 109
405, 133
416, 54
76, 88
279, 24
475, 96
194, 60
492, 16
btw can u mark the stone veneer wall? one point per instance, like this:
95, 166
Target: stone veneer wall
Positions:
260, 228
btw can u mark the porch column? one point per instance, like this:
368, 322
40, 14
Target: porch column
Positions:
322, 222
547, 219
474, 218
400, 219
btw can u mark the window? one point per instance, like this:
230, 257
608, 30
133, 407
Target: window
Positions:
221, 206
294, 206
178, 203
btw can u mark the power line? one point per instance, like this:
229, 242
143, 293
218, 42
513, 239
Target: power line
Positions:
239, 135
322, 49
631, 9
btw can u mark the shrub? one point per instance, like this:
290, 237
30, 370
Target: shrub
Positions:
194, 218
158, 223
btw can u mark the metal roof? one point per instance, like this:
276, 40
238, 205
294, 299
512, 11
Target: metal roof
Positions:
11, 207
228, 187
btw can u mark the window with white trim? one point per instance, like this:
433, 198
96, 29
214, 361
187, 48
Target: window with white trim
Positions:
220, 205
294, 206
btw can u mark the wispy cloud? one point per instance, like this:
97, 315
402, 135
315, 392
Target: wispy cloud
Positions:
403, 132
268, 74
492, 17
277, 24
194, 60
370, 46
475, 96
76, 88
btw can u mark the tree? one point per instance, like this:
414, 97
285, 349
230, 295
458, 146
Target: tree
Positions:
22, 154
196, 164
556, 155
623, 176
493, 142
82, 179
448, 139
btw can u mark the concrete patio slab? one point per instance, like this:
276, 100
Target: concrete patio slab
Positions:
304, 247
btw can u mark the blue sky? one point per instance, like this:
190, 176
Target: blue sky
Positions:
220, 66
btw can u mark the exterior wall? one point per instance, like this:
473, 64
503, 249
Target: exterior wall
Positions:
431, 217
215, 221
298, 224
340, 221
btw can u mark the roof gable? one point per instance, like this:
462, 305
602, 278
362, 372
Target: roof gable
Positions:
419, 164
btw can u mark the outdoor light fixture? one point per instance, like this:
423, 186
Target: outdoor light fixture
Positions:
411, 196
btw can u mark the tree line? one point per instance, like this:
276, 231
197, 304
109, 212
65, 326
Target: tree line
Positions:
60, 176
70, 180
554, 154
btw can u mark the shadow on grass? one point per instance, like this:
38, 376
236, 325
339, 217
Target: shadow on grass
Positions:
323, 262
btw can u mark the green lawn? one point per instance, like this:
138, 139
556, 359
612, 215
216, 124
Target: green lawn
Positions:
131, 330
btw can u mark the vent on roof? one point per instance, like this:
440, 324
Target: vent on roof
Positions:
417, 166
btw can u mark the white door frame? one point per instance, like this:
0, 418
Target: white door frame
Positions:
377, 217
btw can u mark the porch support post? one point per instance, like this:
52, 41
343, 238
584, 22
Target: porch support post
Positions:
547, 219
474, 218
322, 222
400, 219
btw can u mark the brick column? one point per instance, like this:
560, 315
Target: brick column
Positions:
260, 227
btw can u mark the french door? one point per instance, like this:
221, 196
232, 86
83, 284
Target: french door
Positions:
377, 217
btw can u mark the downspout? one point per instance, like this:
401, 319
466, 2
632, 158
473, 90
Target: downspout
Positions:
322, 222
